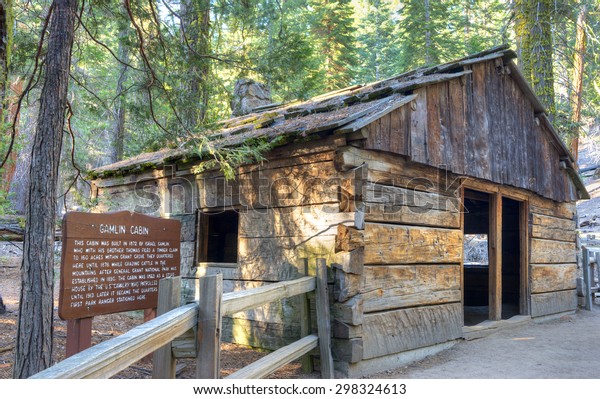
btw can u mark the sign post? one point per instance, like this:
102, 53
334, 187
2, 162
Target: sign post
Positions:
112, 263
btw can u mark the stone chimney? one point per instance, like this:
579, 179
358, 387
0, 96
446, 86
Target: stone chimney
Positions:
248, 95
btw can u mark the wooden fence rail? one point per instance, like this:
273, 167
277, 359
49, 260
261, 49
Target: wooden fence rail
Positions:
110, 357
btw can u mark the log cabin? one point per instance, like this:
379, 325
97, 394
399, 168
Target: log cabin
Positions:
385, 181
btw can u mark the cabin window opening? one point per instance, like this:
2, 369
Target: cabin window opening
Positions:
219, 237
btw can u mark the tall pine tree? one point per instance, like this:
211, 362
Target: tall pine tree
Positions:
377, 40
332, 32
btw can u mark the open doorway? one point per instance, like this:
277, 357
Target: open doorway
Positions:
511, 258
493, 270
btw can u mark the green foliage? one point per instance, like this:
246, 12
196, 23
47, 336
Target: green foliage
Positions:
379, 45
6, 206
229, 158
332, 34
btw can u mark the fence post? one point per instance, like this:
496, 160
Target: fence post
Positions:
587, 289
305, 322
169, 298
209, 327
324, 320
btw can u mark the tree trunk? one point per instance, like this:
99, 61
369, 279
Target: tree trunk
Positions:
34, 330
195, 26
6, 21
578, 67
428, 58
533, 34
118, 128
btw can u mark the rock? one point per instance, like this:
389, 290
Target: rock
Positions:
584, 223
2, 306
249, 94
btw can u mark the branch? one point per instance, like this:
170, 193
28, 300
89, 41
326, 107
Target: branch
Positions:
13, 133
73, 163
106, 47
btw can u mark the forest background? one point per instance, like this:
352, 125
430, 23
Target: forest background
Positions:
152, 74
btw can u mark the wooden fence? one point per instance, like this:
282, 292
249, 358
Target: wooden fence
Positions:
109, 357
591, 275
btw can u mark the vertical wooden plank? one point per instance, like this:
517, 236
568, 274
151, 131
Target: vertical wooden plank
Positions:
447, 150
305, 325
501, 134
480, 128
79, 335
384, 131
458, 133
525, 299
209, 327
324, 320
524, 114
434, 141
418, 127
587, 292
470, 136
169, 298
495, 257
399, 130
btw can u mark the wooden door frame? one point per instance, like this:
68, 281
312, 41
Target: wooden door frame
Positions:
495, 246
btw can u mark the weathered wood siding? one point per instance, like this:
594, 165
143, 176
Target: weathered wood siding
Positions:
480, 125
288, 210
553, 267
398, 286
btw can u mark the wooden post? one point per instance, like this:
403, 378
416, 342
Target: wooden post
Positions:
525, 297
587, 290
149, 314
324, 320
495, 257
209, 327
169, 298
305, 325
79, 335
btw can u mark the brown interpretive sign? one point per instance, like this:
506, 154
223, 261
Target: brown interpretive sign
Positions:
112, 262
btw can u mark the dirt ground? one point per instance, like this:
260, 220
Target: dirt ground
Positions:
233, 357
563, 348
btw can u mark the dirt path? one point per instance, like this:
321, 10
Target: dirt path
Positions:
564, 348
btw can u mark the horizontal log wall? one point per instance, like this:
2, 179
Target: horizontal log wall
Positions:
406, 329
288, 209
398, 286
553, 261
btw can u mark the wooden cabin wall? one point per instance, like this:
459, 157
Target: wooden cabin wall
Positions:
553, 263
479, 125
398, 287
288, 210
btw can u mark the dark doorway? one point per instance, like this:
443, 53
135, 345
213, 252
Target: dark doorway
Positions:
511, 258
476, 261
492, 268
